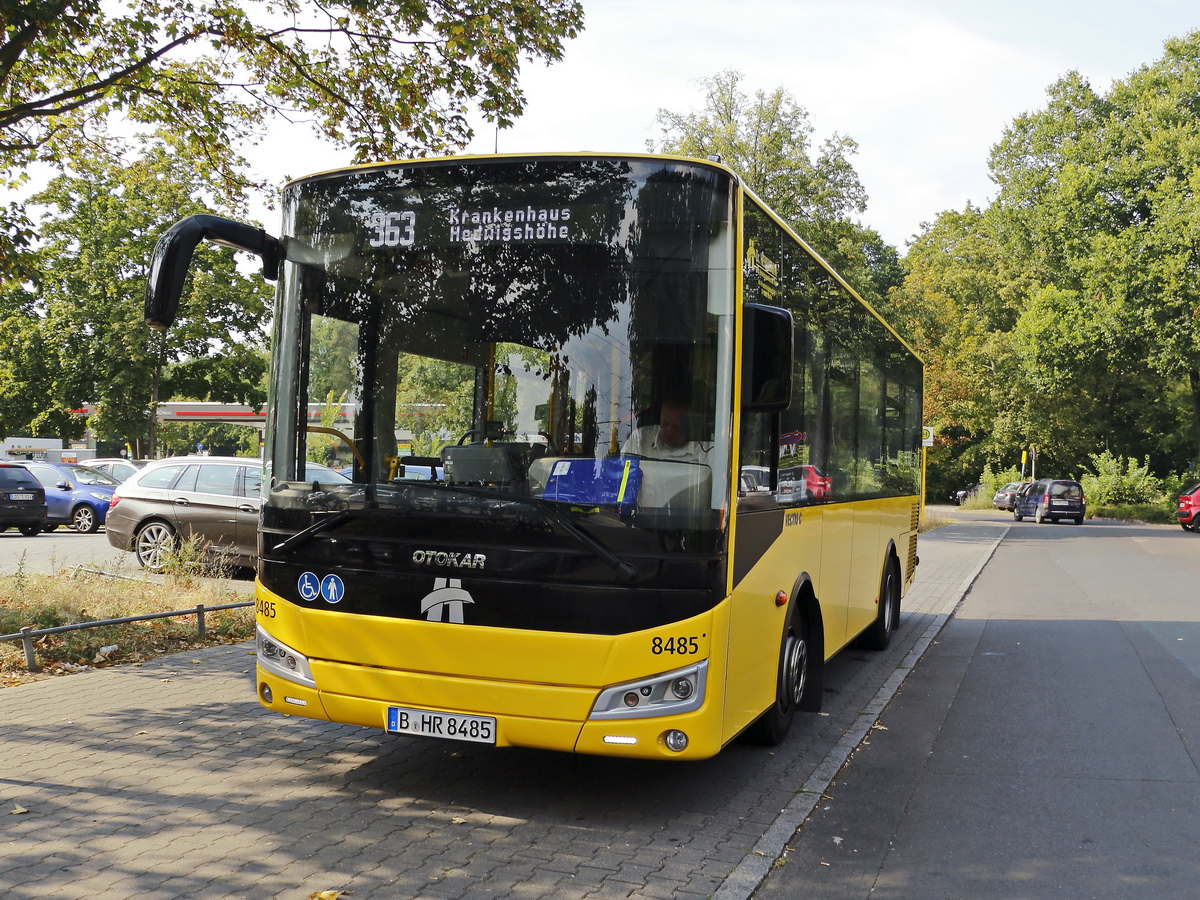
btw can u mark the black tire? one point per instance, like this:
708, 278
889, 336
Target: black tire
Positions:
1038, 517
29, 530
49, 528
772, 726
1078, 520
1016, 515
84, 519
879, 634
152, 544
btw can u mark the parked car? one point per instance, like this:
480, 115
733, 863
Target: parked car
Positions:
1188, 511
212, 498
961, 496
75, 495
118, 467
22, 500
1007, 495
1051, 499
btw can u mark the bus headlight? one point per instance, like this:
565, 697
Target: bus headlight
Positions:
667, 694
280, 659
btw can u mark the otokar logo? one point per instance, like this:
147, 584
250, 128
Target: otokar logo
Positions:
446, 602
451, 559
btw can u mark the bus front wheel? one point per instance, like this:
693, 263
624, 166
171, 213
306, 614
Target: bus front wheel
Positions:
773, 725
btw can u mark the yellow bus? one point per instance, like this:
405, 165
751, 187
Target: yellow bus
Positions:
576, 381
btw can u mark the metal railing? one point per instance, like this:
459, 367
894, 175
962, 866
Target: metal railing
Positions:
27, 634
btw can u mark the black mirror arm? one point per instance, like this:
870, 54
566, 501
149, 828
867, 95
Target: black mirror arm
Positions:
173, 256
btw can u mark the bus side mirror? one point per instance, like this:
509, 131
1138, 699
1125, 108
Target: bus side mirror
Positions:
173, 255
767, 349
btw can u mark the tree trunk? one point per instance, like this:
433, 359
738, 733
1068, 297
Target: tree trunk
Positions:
1194, 380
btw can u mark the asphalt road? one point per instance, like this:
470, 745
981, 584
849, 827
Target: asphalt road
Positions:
1046, 746
60, 551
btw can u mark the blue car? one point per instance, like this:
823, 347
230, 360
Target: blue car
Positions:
75, 495
1051, 499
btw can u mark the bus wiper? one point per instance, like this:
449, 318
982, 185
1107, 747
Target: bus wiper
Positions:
302, 537
626, 573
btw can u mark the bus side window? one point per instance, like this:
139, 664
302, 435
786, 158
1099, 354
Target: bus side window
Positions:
757, 467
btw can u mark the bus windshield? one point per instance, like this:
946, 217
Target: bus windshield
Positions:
508, 336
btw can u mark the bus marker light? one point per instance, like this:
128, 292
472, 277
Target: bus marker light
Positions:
675, 740
781, 598
295, 701
619, 739
631, 699
264, 691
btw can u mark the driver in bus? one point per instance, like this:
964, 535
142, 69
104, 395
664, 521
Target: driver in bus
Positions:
669, 438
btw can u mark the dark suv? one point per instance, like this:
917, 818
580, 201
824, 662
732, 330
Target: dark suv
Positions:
22, 500
1051, 499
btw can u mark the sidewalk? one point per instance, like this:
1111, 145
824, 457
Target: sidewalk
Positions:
951, 558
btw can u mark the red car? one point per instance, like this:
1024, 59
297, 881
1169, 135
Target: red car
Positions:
803, 484
1188, 512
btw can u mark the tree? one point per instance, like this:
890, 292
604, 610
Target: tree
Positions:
1066, 315
390, 78
1100, 192
78, 336
768, 142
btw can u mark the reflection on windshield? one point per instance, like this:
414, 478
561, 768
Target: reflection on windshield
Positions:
556, 330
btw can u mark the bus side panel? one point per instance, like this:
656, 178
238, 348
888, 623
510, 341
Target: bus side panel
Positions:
756, 623
877, 523
863, 599
837, 561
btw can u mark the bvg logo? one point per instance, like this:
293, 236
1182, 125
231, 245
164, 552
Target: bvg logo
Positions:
446, 602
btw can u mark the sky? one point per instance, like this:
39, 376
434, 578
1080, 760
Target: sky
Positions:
925, 87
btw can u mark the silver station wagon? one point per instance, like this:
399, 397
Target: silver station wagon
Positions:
213, 499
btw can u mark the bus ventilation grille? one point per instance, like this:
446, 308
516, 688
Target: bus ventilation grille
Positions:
912, 541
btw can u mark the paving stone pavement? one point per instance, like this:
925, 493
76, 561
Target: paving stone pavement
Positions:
167, 780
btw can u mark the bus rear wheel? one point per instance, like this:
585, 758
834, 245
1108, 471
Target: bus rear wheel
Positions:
773, 725
879, 634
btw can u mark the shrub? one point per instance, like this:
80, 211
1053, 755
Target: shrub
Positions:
1119, 482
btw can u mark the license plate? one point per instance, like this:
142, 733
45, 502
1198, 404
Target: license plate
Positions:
20, 496
431, 723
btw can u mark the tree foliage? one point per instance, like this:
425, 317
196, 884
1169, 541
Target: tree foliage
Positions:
768, 140
78, 336
1066, 315
390, 78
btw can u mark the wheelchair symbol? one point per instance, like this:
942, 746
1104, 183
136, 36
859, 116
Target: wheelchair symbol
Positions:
308, 586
